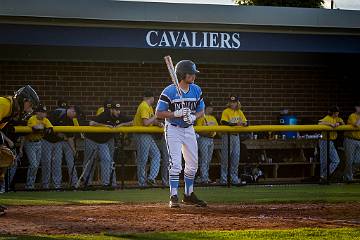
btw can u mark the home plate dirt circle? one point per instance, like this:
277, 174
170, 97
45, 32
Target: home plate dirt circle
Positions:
132, 218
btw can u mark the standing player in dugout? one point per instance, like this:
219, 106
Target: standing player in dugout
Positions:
179, 132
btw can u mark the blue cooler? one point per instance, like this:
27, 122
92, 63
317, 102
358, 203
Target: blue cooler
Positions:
289, 120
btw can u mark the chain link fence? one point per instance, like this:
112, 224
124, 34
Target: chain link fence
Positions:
141, 160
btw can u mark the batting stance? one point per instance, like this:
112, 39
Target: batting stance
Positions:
180, 113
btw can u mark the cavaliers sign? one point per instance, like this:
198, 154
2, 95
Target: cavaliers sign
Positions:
107, 37
182, 39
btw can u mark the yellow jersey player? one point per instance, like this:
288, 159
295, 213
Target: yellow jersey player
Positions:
206, 143
352, 144
231, 116
33, 143
333, 120
145, 144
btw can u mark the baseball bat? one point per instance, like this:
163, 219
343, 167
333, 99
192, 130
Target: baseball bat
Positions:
85, 168
174, 79
73, 170
91, 170
73, 167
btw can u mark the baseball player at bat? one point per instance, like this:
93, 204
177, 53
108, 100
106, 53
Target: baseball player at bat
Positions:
180, 104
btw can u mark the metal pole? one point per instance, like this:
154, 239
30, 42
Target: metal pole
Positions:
228, 161
122, 160
328, 157
7, 180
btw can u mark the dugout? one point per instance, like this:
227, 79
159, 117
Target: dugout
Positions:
300, 59
273, 58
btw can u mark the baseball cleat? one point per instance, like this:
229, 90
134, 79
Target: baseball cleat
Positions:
151, 182
193, 200
239, 184
2, 210
174, 202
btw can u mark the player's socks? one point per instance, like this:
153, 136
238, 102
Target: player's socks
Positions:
174, 184
189, 185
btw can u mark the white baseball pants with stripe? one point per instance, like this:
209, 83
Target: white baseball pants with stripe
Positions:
181, 141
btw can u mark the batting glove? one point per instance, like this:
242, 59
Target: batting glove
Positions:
178, 113
190, 119
182, 112
186, 112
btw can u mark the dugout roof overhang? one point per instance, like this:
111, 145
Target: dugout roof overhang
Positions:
120, 31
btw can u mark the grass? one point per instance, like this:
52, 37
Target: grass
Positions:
293, 234
335, 193
250, 194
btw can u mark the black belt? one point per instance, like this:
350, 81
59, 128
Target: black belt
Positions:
34, 141
178, 125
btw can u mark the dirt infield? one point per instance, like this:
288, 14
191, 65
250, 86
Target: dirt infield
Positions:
158, 217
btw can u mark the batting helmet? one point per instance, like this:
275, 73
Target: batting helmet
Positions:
185, 67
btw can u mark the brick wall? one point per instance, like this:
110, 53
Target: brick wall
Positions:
264, 90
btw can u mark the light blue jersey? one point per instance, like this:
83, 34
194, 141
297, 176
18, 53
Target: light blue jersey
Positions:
170, 101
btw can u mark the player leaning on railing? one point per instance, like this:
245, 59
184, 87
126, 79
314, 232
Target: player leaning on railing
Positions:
111, 144
11, 107
57, 145
98, 144
180, 108
333, 120
352, 144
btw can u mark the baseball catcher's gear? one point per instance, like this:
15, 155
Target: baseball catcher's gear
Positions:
7, 157
26, 93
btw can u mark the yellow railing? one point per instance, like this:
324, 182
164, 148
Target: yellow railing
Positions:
137, 129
